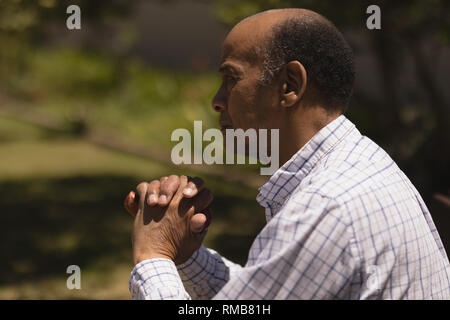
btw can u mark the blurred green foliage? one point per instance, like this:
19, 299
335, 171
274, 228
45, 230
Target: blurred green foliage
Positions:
22, 16
417, 18
142, 102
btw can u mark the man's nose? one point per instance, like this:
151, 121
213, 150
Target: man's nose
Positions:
219, 101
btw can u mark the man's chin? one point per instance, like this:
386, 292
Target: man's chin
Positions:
234, 149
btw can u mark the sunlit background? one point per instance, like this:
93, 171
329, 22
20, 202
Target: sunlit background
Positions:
85, 115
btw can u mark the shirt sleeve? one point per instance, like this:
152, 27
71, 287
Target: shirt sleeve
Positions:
304, 252
156, 279
206, 272
203, 275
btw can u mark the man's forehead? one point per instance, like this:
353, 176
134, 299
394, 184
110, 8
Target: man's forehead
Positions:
242, 47
247, 39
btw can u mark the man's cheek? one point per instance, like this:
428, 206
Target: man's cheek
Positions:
233, 110
241, 112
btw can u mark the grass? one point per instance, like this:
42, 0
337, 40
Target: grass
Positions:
61, 204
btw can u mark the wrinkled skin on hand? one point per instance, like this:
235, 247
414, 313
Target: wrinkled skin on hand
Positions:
174, 231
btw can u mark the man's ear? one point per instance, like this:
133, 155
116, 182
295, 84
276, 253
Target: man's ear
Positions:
293, 84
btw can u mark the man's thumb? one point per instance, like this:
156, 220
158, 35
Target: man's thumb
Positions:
198, 222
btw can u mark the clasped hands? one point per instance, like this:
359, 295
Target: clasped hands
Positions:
172, 216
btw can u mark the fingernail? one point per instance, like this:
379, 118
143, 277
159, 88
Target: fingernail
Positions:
188, 191
153, 198
129, 199
163, 199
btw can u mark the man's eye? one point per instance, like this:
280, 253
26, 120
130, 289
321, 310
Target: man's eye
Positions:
230, 78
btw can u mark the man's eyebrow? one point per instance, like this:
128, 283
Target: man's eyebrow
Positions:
226, 66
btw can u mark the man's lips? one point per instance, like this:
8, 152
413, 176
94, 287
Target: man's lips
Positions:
224, 126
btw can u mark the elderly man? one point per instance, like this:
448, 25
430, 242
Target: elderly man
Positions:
343, 221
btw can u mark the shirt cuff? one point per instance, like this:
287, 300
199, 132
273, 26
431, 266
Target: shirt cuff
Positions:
197, 268
156, 279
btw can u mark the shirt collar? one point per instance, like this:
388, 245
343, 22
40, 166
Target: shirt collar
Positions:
284, 181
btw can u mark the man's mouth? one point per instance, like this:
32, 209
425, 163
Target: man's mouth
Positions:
224, 126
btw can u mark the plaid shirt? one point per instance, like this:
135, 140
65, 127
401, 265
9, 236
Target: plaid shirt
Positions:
343, 222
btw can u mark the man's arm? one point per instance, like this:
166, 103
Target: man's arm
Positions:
156, 279
306, 251
206, 272
203, 274
201, 277
302, 253
163, 236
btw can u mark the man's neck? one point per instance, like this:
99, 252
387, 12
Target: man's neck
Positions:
300, 128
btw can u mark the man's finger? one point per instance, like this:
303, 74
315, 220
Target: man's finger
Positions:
200, 236
194, 186
131, 203
162, 180
209, 215
141, 189
179, 194
153, 192
168, 188
198, 222
141, 193
203, 200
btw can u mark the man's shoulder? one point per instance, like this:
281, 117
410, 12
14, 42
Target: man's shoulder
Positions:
353, 169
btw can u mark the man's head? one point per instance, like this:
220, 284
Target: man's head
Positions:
280, 65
